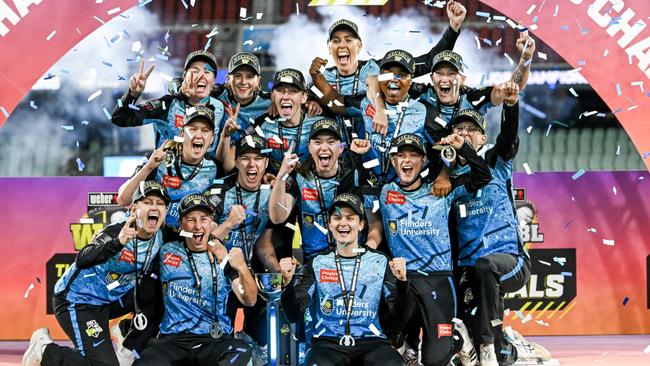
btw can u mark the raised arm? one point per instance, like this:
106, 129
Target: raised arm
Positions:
125, 193
281, 202
456, 13
297, 294
480, 175
106, 244
244, 286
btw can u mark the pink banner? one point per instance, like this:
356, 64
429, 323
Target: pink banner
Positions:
607, 42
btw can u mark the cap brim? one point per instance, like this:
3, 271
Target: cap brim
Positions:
244, 65
202, 207
345, 204
460, 119
346, 27
331, 132
457, 67
396, 63
285, 83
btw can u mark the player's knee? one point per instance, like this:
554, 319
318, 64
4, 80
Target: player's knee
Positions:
482, 266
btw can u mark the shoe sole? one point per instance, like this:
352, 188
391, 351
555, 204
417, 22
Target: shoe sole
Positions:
31, 348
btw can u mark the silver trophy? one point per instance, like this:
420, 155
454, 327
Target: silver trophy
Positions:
448, 154
270, 289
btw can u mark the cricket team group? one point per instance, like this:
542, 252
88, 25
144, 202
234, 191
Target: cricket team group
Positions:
404, 211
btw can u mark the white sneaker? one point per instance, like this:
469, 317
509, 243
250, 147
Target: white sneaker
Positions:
409, 355
125, 356
488, 356
34, 354
467, 354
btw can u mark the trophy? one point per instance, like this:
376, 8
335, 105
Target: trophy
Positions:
447, 153
270, 289
172, 149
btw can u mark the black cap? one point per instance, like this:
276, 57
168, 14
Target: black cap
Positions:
398, 57
344, 24
291, 77
248, 143
348, 200
472, 116
407, 139
202, 55
201, 112
451, 57
327, 125
193, 202
244, 59
150, 187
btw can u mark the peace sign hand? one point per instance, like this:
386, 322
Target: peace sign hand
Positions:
138, 81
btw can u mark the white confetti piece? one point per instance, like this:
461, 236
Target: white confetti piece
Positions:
95, 95
113, 11
375, 206
609, 242
265, 186
385, 77
320, 228
249, 141
31, 286
544, 263
509, 59
186, 234
290, 226
424, 173
533, 27
242, 12
371, 164
215, 191
224, 261
113, 285
529, 128
51, 35
541, 55
474, 103
592, 230
440, 121
573, 92
530, 10
527, 168
86, 220
241, 289
559, 260
463, 210
90, 275
647, 349
374, 330
496, 322
478, 42
258, 16
359, 250
317, 92
178, 139
511, 23
614, 190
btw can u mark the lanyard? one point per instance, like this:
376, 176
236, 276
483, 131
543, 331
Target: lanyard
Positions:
145, 265
179, 172
248, 247
197, 279
456, 107
213, 270
323, 208
385, 149
355, 85
281, 135
348, 297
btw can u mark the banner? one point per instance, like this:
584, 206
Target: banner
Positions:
588, 240
35, 34
607, 42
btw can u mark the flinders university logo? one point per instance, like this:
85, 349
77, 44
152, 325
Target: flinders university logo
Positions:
326, 307
392, 227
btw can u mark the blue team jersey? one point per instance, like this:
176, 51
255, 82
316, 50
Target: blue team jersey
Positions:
477, 99
167, 129
416, 226
489, 224
188, 307
198, 184
328, 307
247, 114
256, 204
280, 137
107, 282
413, 121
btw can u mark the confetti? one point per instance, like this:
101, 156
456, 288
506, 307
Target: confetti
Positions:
290, 226
4, 111
374, 330
625, 300
482, 14
375, 206
67, 127
86, 220
544, 263
186, 234
385, 77
50, 35
113, 11
80, 164
614, 190
215, 191
258, 16
463, 210
358, 250
573, 92
95, 95
567, 274
530, 10
31, 286
224, 261
478, 42
578, 174
320, 228
559, 260
541, 55
496, 322
609, 242
90, 275
529, 128
592, 230
317, 92
647, 349
509, 59
527, 168
242, 12
371, 164
113, 285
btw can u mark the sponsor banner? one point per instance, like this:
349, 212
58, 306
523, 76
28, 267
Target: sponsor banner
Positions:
588, 240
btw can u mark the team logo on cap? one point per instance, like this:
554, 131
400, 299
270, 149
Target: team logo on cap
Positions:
392, 227
288, 76
398, 55
244, 59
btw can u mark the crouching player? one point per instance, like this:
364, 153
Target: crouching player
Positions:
195, 329
347, 289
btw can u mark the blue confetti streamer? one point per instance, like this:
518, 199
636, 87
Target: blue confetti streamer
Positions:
482, 14
567, 274
625, 300
80, 165
578, 174
618, 89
